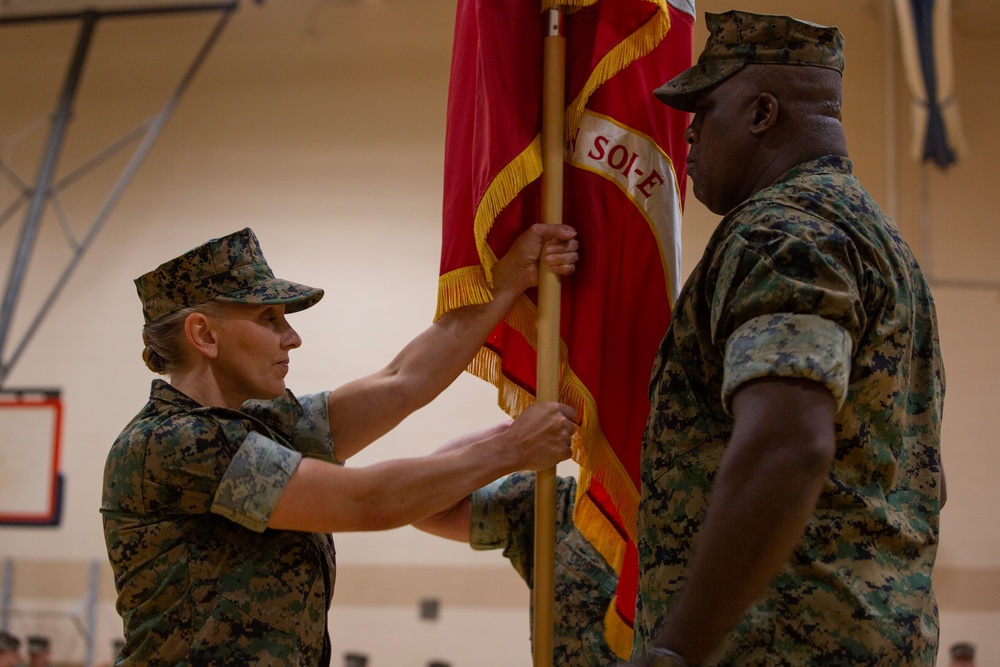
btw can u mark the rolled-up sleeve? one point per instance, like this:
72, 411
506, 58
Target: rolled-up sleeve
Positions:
312, 434
254, 481
490, 523
303, 420
788, 345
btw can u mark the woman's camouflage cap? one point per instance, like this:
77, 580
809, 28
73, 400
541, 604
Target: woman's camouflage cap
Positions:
229, 268
738, 38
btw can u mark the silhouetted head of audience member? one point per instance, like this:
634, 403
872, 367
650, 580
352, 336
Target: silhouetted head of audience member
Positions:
962, 653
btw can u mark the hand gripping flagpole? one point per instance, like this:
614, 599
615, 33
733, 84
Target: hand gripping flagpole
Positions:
549, 296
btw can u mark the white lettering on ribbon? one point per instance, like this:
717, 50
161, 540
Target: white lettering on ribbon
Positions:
644, 173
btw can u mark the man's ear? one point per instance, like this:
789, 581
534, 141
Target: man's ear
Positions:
765, 114
202, 333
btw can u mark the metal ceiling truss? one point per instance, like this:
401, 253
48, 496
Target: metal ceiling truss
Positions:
35, 197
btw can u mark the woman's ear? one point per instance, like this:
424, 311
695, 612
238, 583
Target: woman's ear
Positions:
765, 114
202, 332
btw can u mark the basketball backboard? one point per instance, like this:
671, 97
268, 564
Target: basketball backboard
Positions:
30, 439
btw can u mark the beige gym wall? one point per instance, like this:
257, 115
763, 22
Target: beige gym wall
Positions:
320, 124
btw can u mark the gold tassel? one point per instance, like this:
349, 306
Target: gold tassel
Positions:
617, 632
462, 287
504, 187
638, 44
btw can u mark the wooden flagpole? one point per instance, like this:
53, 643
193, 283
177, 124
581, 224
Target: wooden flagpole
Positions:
549, 296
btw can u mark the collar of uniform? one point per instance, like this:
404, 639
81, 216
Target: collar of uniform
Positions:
281, 414
165, 392
826, 164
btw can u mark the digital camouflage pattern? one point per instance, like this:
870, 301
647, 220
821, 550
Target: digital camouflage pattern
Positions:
187, 494
503, 517
807, 278
736, 39
229, 268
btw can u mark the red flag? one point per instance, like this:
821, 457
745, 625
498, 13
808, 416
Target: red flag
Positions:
623, 185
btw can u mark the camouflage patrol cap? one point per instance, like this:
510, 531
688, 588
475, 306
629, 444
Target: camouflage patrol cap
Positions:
738, 38
230, 268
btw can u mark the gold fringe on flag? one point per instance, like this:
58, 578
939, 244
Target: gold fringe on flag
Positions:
597, 460
504, 187
462, 287
617, 632
472, 285
638, 44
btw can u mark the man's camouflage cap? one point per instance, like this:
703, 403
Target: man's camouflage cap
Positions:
229, 268
9, 642
738, 38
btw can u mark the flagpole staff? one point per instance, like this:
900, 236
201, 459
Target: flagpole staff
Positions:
549, 297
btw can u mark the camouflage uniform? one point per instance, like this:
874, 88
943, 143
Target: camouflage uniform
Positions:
188, 491
503, 517
807, 279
